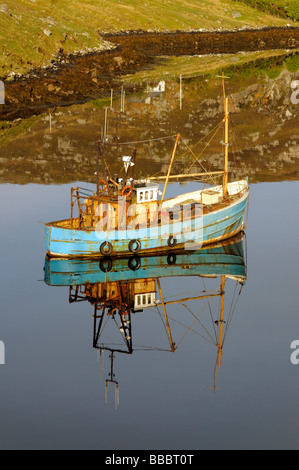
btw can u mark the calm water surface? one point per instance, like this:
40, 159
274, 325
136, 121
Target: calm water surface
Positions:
52, 393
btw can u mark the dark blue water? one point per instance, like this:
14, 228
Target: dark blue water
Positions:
52, 395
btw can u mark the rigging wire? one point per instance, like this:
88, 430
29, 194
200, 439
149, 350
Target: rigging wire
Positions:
125, 144
210, 310
232, 313
196, 319
197, 159
185, 326
189, 149
201, 324
159, 313
207, 144
201, 140
234, 140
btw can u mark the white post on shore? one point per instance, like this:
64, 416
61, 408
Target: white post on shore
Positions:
181, 93
105, 124
122, 100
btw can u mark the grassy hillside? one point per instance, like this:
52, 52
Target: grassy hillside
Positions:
282, 8
31, 31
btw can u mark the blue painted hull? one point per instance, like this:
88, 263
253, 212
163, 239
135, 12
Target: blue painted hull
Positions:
225, 258
212, 227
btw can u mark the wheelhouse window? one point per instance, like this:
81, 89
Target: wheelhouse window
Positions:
147, 194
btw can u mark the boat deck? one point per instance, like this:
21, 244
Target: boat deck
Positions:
184, 207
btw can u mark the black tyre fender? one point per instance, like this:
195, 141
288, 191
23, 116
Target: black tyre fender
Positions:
105, 264
134, 246
106, 248
172, 241
134, 263
171, 259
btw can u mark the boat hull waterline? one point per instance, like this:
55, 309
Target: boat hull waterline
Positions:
225, 258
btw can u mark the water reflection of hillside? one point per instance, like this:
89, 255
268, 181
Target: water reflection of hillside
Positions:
264, 120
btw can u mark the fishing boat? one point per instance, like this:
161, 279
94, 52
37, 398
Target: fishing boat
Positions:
121, 293
126, 216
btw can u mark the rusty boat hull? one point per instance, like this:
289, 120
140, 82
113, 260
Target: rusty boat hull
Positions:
193, 233
225, 258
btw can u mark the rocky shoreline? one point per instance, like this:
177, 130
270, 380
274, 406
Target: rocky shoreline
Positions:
78, 78
264, 119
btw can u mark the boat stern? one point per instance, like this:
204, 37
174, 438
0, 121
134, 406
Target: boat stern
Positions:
47, 238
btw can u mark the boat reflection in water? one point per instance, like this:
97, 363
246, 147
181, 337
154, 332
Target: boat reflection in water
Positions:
121, 288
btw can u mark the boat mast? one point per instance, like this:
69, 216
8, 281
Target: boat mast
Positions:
226, 144
221, 321
172, 344
170, 166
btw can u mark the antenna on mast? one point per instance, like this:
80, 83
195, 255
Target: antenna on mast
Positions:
111, 380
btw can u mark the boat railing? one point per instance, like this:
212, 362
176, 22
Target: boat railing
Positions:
90, 207
242, 191
93, 208
86, 201
78, 195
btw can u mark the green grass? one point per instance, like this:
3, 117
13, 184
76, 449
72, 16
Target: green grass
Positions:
292, 63
282, 8
9, 131
268, 63
75, 24
260, 67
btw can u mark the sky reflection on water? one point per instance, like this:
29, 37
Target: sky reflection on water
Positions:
51, 392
